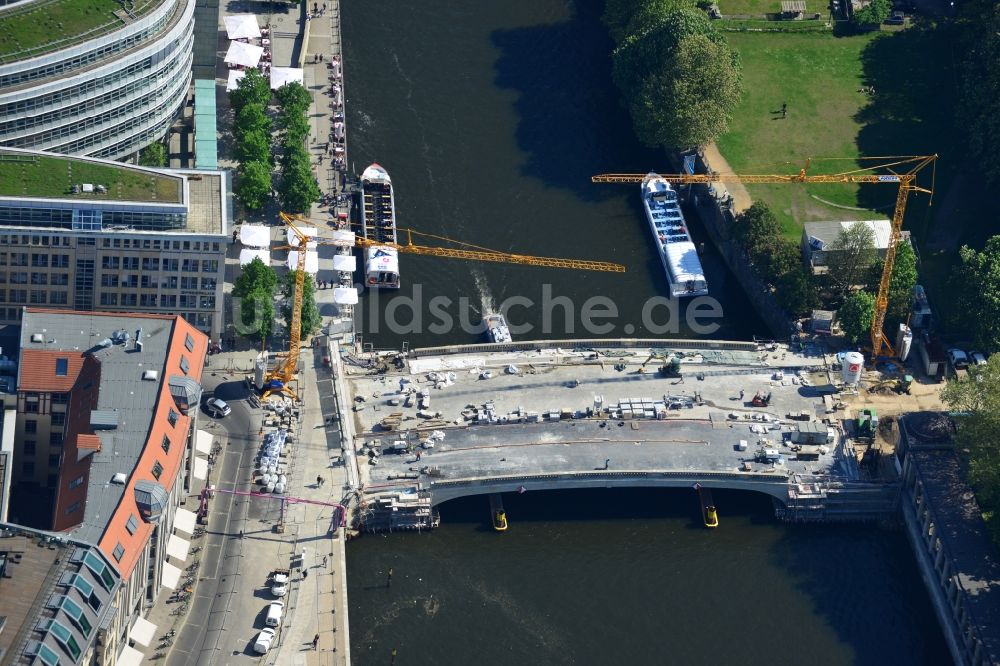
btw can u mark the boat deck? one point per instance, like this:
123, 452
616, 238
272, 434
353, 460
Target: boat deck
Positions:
379, 223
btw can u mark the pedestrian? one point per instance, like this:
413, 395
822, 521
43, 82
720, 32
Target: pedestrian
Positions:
305, 574
784, 109
315, 641
324, 560
607, 461
319, 480
241, 534
741, 394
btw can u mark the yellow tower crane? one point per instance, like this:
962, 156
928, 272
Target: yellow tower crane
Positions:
902, 170
281, 377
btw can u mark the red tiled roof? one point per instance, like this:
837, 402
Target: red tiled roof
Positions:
38, 370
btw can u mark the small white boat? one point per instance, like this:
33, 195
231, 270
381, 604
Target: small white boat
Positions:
496, 328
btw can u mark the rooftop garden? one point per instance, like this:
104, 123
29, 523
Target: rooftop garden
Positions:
55, 177
47, 25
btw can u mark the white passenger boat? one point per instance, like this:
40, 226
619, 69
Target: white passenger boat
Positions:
379, 224
496, 328
673, 242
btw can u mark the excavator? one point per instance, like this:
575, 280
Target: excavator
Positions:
282, 376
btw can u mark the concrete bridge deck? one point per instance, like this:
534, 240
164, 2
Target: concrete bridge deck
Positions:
548, 430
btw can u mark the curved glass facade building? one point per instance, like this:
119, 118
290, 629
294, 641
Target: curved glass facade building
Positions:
108, 89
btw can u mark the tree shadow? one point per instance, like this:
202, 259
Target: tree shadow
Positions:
572, 123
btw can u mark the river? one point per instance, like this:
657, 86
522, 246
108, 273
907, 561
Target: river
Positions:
491, 118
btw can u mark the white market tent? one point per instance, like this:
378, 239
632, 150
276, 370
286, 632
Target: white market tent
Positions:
312, 261
345, 295
255, 235
282, 75
234, 79
247, 256
242, 26
347, 263
246, 55
311, 232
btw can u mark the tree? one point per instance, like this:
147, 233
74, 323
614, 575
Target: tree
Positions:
295, 127
255, 147
154, 155
257, 313
256, 276
253, 184
252, 118
976, 285
855, 315
628, 17
298, 189
690, 99
901, 282
783, 258
851, 256
796, 292
976, 402
311, 318
252, 88
757, 229
293, 98
874, 13
979, 105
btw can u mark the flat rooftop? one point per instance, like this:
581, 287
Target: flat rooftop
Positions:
121, 389
43, 26
206, 206
45, 176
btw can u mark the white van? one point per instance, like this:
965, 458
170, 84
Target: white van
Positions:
274, 611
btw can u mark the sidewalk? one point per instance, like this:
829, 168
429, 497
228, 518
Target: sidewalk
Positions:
321, 604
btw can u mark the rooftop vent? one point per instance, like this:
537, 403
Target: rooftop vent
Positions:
119, 337
37, 337
104, 419
150, 375
138, 339
119, 479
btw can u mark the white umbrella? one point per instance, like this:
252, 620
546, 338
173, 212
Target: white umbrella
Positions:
242, 26
345, 295
312, 262
282, 75
234, 79
255, 235
347, 263
310, 232
247, 256
246, 55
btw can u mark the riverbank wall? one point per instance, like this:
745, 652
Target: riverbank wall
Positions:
713, 209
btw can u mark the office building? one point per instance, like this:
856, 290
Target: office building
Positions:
89, 234
106, 419
85, 78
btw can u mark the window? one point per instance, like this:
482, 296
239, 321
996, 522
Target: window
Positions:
59, 279
189, 342
157, 470
31, 403
185, 366
110, 263
210, 266
60, 398
165, 444
40, 260
56, 439
29, 447
60, 261
96, 564
48, 657
147, 300
76, 616
62, 367
54, 460
172, 417
73, 508
130, 263
109, 280
76, 483
109, 299
28, 468
132, 525
168, 300
58, 418
65, 639
58, 297
30, 425
39, 296
119, 552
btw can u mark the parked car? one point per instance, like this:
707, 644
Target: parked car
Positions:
279, 582
977, 358
897, 18
274, 611
959, 359
217, 408
264, 640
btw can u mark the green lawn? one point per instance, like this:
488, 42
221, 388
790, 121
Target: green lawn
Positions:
31, 28
758, 7
53, 177
818, 76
